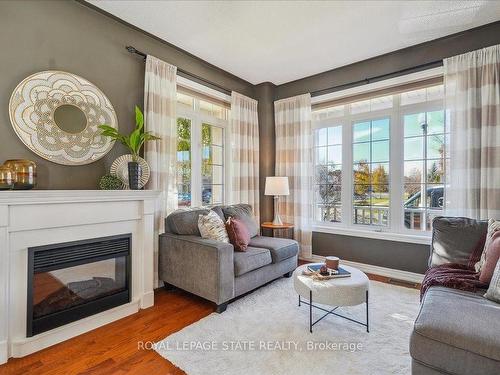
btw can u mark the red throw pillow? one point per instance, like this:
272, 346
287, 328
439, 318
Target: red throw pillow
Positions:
238, 234
491, 258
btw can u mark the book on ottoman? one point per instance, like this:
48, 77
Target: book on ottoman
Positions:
333, 273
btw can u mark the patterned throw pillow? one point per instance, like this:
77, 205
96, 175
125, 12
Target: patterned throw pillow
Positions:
212, 227
493, 226
493, 292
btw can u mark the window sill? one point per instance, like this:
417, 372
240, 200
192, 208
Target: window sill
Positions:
423, 239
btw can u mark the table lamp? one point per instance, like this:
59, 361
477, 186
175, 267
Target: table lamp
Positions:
276, 186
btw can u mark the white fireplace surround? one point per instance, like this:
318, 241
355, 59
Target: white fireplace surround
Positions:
43, 217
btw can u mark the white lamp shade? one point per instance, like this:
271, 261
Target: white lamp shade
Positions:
277, 186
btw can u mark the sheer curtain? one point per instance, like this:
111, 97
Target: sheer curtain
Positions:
472, 89
160, 98
245, 151
294, 159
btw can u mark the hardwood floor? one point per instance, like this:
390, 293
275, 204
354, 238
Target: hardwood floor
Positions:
113, 349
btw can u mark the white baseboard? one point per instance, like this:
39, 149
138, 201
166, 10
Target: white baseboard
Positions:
377, 270
3, 352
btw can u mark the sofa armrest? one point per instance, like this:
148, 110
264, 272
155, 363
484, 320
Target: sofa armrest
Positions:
200, 266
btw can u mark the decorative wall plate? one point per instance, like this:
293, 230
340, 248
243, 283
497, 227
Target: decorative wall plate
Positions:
79, 108
119, 168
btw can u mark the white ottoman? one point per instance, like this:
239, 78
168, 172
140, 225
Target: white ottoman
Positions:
346, 291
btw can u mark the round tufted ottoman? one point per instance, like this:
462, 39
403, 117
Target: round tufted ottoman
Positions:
346, 291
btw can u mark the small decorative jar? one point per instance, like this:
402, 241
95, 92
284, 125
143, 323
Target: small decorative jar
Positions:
7, 178
332, 262
25, 171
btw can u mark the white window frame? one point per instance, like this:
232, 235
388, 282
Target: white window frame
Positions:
198, 118
395, 231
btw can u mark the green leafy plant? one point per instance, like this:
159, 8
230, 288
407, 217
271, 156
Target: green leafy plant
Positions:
135, 140
110, 182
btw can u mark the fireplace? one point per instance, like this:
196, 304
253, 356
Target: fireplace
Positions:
72, 280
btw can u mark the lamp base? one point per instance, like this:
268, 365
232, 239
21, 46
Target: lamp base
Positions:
277, 217
277, 220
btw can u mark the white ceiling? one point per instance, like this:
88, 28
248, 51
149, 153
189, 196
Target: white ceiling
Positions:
281, 41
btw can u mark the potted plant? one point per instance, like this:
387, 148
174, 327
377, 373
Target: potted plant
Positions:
134, 142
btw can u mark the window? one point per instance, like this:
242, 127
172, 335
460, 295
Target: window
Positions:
424, 168
201, 149
212, 165
328, 155
371, 172
391, 177
184, 162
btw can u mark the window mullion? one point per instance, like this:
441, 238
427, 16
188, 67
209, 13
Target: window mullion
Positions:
347, 184
196, 162
396, 168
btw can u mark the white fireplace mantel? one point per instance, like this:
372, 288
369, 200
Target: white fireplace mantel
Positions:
43, 217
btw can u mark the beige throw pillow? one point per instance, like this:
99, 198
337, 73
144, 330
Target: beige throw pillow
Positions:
493, 226
212, 227
493, 292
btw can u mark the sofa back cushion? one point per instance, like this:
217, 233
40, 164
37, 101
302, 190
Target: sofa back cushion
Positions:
184, 222
454, 239
244, 213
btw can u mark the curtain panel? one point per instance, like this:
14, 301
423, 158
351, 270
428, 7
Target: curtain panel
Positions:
245, 151
472, 98
160, 98
294, 159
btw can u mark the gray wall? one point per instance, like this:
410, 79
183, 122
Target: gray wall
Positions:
265, 95
391, 254
69, 36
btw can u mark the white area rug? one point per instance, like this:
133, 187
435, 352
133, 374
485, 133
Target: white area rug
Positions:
267, 332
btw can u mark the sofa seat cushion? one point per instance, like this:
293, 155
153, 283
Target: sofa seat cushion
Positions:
457, 332
281, 248
250, 260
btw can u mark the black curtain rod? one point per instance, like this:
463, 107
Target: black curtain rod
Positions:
365, 81
185, 74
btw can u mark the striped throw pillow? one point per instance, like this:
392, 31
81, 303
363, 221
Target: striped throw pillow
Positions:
212, 227
493, 292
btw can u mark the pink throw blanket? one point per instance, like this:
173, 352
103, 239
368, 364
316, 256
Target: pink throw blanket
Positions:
452, 275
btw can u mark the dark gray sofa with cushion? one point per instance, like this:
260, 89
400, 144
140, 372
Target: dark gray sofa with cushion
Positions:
212, 269
456, 332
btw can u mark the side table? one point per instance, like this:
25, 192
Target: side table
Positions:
284, 230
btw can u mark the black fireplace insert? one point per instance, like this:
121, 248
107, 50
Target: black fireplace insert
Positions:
72, 280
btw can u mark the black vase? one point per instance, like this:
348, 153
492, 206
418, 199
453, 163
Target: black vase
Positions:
134, 175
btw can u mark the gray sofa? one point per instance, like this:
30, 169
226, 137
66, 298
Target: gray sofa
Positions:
212, 269
456, 332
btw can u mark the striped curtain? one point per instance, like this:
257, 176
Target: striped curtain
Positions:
294, 159
472, 98
160, 98
245, 151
